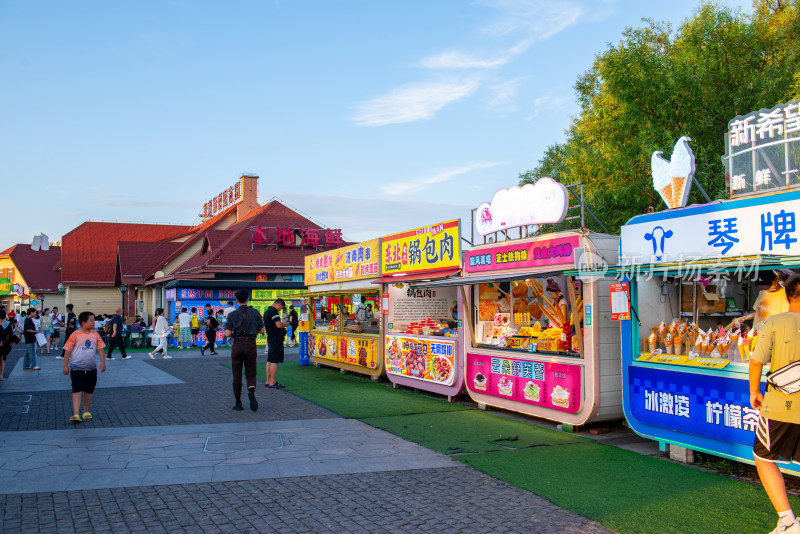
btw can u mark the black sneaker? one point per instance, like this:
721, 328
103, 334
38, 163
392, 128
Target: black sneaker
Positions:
238, 406
202, 351
251, 393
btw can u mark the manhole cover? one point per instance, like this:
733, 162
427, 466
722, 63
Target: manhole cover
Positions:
227, 444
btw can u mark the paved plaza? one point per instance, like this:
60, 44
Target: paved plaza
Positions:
165, 453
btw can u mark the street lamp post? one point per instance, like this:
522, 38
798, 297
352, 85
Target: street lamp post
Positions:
122, 289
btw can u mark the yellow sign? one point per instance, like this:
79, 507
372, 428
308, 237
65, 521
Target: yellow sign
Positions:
431, 248
356, 262
425, 359
344, 349
678, 359
272, 294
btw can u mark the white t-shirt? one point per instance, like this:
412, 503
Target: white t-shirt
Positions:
185, 320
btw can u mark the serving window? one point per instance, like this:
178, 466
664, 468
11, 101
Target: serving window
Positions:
706, 320
348, 313
541, 315
422, 310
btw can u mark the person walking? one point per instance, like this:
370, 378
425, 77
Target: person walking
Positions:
225, 312
160, 332
81, 365
69, 327
243, 325
29, 330
294, 322
276, 329
46, 326
58, 322
116, 339
211, 331
185, 330
778, 430
195, 326
7, 340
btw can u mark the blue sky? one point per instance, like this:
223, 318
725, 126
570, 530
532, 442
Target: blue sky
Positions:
373, 117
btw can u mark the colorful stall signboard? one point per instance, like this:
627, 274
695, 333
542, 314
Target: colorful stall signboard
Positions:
732, 229
761, 150
344, 349
423, 359
682, 359
5, 286
525, 254
432, 248
550, 385
701, 404
272, 294
544, 202
200, 294
620, 305
355, 262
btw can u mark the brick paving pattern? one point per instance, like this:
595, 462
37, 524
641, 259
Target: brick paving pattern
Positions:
456, 499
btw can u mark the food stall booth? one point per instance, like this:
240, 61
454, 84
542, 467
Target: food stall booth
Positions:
701, 280
423, 339
338, 280
538, 338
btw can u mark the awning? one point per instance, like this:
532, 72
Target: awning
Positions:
486, 278
419, 275
233, 284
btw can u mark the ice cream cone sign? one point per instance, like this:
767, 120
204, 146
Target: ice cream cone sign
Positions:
673, 179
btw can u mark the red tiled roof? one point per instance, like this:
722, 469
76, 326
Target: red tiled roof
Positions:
137, 258
89, 252
231, 249
38, 268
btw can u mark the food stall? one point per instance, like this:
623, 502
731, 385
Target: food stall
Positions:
178, 298
423, 334
701, 279
338, 280
538, 337
261, 299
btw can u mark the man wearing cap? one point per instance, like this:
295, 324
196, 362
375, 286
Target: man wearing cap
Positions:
243, 325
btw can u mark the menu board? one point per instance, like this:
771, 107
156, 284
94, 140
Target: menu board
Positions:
550, 385
413, 304
344, 349
431, 360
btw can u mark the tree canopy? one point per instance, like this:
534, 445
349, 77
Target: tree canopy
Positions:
658, 84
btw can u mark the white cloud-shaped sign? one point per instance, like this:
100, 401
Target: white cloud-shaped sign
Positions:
544, 202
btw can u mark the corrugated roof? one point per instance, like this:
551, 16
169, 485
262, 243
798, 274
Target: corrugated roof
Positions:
38, 268
89, 252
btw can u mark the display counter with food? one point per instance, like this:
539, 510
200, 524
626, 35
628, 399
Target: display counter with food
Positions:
539, 338
423, 333
345, 309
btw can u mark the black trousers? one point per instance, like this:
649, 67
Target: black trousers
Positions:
116, 341
211, 337
243, 352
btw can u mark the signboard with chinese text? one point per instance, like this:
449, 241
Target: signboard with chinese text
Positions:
431, 360
762, 151
408, 305
532, 254
229, 197
355, 262
344, 349
682, 359
289, 236
5, 286
544, 202
620, 305
432, 248
550, 385
735, 228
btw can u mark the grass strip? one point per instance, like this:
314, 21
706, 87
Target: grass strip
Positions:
470, 431
352, 396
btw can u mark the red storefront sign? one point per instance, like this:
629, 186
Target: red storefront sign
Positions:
223, 201
287, 236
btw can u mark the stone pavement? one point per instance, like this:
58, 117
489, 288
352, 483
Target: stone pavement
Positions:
165, 453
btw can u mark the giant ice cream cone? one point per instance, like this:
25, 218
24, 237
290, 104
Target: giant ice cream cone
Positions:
678, 185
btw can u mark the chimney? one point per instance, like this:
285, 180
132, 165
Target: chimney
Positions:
249, 185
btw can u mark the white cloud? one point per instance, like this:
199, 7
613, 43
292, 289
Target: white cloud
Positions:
460, 60
420, 184
412, 102
533, 20
503, 95
549, 103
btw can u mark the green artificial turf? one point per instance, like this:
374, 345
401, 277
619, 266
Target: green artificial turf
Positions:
470, 431
629, 492
353, 396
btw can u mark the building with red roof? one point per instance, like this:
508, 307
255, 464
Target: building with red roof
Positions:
33, 277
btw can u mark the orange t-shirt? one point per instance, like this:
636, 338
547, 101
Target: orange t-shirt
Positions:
83, 349
769, 303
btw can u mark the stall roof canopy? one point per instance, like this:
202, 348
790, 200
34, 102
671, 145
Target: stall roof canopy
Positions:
485, 278
419, 275
232, 284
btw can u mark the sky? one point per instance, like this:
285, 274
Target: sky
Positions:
372, 117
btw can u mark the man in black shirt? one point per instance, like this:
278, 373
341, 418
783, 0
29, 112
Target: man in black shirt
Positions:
29, 330
116, 336
211, 331
7, 340
243, 325
69, 327
294, 321
276, 330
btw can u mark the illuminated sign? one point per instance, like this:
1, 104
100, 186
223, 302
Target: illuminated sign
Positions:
287, 236
541, 203
221, 202
673, 179
761, 150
